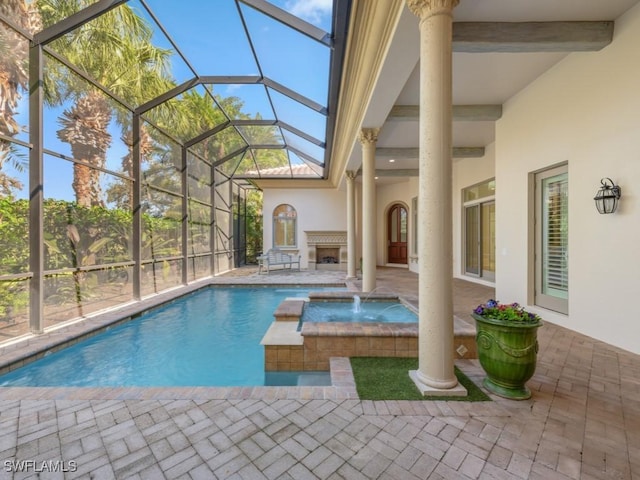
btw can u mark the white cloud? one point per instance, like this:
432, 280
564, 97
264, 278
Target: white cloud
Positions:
310, 10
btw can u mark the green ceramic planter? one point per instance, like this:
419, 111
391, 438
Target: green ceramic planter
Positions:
507, 353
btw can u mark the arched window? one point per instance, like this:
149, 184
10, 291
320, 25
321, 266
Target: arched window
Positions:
284, 226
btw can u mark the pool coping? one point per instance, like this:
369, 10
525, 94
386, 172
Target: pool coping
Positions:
342, 388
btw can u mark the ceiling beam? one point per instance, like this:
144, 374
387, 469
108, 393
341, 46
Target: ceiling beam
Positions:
461, 113
485, 37
468, 152
401, 172
412, 153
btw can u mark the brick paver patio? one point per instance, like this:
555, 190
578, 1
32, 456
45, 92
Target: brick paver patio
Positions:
583, 421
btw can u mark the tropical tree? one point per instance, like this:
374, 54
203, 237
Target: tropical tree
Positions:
14, 77
116, 50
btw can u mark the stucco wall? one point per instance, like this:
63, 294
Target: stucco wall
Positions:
583, 111
318, 209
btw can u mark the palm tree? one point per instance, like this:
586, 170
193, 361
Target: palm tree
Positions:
116, 50
85, 128
14, 77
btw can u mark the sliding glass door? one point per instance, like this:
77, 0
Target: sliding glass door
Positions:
480, 235
480, 231
472, 240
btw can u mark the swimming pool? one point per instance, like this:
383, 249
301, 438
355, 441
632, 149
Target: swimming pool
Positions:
208, 338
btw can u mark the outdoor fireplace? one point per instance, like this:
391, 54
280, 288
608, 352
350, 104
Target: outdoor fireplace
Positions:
327, 255
327, 250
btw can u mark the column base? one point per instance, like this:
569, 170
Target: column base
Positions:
428, 391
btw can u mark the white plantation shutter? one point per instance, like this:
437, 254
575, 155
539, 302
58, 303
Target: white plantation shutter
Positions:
552, 239
555, 235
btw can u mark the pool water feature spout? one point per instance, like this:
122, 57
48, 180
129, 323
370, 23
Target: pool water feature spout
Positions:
356, 304
392, 306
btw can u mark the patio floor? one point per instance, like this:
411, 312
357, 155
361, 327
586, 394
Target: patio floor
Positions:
582, 422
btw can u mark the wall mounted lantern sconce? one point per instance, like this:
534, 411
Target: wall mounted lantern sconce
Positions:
608, 196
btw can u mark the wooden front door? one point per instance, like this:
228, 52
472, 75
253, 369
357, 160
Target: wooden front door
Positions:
397, 234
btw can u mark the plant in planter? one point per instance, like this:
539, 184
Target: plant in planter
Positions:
507, 347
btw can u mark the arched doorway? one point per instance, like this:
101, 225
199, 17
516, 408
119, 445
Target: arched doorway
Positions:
397, 234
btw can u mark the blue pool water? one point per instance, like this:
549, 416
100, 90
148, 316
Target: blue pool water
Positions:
365, 312
209, 338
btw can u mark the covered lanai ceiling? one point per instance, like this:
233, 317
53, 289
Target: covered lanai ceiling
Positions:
499, 48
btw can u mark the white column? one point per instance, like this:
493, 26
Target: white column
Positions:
351, 224
435, 374
368, 138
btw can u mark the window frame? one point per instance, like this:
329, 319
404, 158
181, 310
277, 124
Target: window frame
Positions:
414, 227
278, 221
478, 203
544, 297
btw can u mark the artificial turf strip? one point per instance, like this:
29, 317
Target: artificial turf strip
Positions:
387, 378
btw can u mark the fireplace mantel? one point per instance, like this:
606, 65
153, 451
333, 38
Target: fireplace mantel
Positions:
326, 237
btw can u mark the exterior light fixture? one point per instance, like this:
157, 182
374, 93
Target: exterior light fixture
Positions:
608, 196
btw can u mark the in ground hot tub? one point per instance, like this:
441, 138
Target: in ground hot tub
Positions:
357, 311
